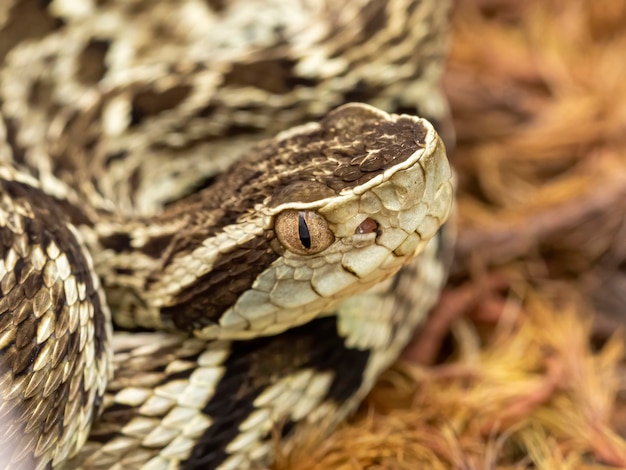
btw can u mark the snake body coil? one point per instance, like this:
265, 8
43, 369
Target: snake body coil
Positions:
282, 282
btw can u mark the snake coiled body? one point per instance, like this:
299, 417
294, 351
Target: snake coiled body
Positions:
147, 177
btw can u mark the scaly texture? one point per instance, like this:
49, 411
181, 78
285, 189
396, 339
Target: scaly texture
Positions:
272, 281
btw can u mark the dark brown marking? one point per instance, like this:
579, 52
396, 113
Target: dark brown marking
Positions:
236, 130
194, 188
135, 179
207, 111
42, 92
49, 206
295, 82
216, 5
92, 62
72, 212
375, 18
156, 246
266, 74
6, 237
373, 162
362, 92
112, 157
150, 103
32, 284
203, 303
118, 242
348, 174
18, 150
272, 75
117, 414
34, 229
29, 19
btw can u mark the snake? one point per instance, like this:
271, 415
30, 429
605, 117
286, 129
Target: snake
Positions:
220, 221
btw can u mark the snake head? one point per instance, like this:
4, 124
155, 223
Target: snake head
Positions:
344, 204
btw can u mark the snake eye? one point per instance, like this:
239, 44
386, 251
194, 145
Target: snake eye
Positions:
303, 232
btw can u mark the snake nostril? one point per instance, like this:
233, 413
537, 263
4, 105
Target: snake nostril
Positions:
369, 225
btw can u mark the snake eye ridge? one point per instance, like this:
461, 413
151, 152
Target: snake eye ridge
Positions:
303, 232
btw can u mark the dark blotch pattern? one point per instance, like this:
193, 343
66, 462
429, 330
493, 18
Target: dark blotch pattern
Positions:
117, 415
194, 188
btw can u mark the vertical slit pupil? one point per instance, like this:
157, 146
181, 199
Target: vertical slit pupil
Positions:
303, 231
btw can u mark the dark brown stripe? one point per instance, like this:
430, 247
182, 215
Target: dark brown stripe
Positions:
203, 302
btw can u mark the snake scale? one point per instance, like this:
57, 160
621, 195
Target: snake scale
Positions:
198, 174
